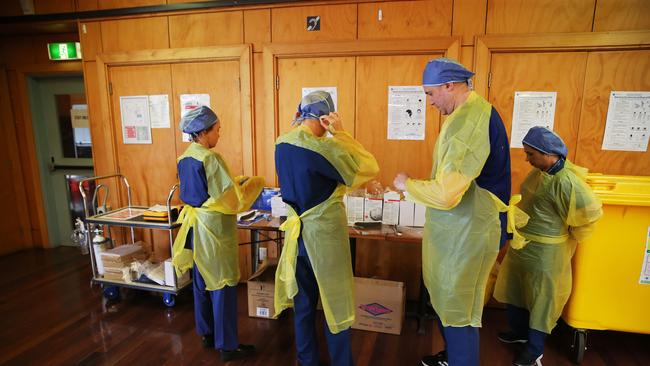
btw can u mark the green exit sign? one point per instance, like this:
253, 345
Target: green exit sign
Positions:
64, 51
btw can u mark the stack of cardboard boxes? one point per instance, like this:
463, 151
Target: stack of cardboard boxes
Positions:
117, 261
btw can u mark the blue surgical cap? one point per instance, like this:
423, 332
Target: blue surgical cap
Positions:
443, 70
546, 141
198, 119
314, 105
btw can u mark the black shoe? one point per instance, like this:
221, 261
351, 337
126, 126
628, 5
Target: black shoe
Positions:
525, 358
439, 359
244, 350
511, 337
207, 341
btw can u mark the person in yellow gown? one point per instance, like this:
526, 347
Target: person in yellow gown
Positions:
463, 229
314, 168
535, 281
207, 240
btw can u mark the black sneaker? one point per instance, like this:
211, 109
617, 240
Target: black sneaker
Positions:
244, 350
525, 358
511, 337
439, 359
207, 341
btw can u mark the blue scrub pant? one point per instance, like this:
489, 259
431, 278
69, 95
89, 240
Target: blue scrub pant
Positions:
339, 345
518, 319
461, 344
215, 312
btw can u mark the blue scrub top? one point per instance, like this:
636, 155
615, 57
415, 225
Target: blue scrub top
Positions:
194, 183
495, 176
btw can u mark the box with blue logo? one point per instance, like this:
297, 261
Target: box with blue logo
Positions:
263, 201
380, 305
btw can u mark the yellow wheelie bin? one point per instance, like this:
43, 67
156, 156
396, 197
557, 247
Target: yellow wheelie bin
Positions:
610, 289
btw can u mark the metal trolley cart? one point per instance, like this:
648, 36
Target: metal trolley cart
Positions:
129, 217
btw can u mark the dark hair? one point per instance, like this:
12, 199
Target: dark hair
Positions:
195, 135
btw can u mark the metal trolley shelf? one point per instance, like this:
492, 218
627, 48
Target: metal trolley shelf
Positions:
129, 217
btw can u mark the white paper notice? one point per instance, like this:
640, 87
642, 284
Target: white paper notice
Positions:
329, 89
645, 270
136, 125
406, 113
159, 111
192, 101
531, 109
628, 121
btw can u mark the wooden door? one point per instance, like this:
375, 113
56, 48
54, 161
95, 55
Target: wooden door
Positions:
374, 75
562, 72
606, 72
150, 168
219, 79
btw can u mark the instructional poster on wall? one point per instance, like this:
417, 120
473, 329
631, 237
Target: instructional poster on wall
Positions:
628, 121
531, 109
192, 101
329, 89
645, 270
406, 113
136, 125
159, 111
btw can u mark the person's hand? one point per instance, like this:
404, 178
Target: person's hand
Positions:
332, 120
400, 181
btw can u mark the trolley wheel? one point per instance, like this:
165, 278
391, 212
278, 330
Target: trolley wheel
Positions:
579, 345
169, 299
111, 292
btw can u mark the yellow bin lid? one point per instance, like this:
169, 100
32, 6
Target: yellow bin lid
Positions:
621, 189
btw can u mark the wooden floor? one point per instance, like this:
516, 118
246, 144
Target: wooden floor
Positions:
52, 316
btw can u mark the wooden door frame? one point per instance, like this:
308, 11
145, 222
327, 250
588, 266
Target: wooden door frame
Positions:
273, 52
28, 147
241, 53
486, 46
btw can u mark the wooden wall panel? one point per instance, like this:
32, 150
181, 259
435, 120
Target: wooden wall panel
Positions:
374, 75
617, 15
206, 29
264, 128
14, 228
134, 34
18, 50
86, 5
11, 9
467, 57
220, 80
554, 71
405, 19
607, 72
90, 36
539, 16
257, 28
117, 4
338, 22
469, 19
54, 6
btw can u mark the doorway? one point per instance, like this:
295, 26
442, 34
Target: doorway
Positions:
63, 149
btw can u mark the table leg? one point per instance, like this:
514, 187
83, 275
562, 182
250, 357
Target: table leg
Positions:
353, 253
255, 249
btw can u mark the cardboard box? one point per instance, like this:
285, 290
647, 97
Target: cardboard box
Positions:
380, 305
419, 218
355, 209
391, 208
278, 207
261, 288
406, 213
373, 209
169, 275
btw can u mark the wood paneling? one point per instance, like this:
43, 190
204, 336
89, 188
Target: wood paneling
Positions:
86, 5
405, 19
257, 27
607, 72
467, 56
117, 4
221, 81
14, 228
90, 35
374, 75
563, 73
54, 6
11, 9
338, 22
539, 16
134, 34
18, 50
469, 19
206, 29
264, 128
617, 15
